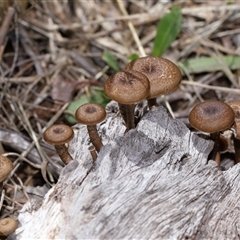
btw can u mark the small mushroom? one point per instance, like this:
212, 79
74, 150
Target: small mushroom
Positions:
235, 105
93, 152
58, 135
91, 114
127, 88
164, 75
212, 117
6, 166
7, 226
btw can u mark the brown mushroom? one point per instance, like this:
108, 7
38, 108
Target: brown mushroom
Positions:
235, 105
212, 117
127, 88
164, 75
7, 226
91, 114
6, 166
58, 135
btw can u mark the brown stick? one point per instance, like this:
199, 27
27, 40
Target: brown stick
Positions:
4, 29
6, 23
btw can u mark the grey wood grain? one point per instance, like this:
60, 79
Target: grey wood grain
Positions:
152, 183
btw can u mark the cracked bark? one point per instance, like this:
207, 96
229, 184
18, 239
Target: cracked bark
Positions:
153, 182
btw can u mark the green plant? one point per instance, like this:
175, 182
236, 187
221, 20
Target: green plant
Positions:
167, 30
96, 96
111, 60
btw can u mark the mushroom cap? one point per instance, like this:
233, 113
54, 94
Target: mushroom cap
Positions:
90, 114
6, 166
7, 226
127, 87
235, 105
58, 134
211, 116
164, 75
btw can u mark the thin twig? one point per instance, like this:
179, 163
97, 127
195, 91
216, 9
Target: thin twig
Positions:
37, 166
190, 79
215, 88
26, 43
132, 29
206, 8
2, 198
4, 29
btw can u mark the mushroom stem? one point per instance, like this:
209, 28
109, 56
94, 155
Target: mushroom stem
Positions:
58, 135
63, 153
152, 102
127, 112
236, 143
94, 137
223, 144
93, 152
1, 187
215, 154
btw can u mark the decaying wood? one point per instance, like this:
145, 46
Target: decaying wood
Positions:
152, 183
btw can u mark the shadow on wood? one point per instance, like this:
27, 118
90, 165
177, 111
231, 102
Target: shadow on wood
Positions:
152, 183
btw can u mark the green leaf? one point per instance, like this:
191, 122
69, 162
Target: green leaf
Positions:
72, 107
96, 96
99, 97
167, 30
209, 64
111, 60
133, 57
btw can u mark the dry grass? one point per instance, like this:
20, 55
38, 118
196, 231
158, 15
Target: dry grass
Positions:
52, 53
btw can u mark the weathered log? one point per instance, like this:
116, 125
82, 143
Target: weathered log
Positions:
152, 183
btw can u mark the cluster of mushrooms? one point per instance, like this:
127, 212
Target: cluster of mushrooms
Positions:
147, 78
143, 78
